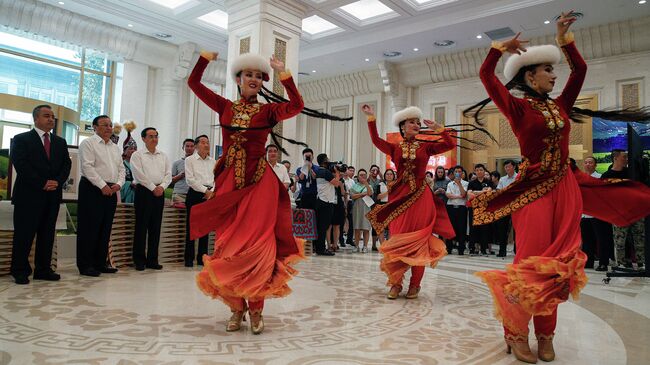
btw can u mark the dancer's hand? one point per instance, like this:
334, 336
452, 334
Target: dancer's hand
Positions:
564, 22
433, 125
276, 64
367, 110
515, 46
210, 56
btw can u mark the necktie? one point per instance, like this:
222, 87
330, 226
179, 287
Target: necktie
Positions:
46, 144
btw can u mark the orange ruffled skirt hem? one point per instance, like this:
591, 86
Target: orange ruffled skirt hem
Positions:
411, 241
254, 248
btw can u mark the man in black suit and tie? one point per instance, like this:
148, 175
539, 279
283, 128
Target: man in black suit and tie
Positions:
43, 165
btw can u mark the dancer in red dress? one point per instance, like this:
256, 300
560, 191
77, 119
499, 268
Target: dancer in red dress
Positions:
411, 216
250, 211
546, 199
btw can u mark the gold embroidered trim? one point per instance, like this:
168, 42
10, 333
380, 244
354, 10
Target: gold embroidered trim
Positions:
242, 113
568, 38
381, 226
237, 156
372, 118
285, 75
480, 203
409, 153
551, 157
259, 171
499, 45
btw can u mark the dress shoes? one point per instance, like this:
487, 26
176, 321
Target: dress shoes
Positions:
601, 268
48, 276
154, 266
90, 272
139, 267
21, 279
325, 253
107, 270
189, 264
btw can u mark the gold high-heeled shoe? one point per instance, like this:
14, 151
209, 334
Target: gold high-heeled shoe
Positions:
234, 323
257, 325
413, 292
519, 346
545, 350
394, 292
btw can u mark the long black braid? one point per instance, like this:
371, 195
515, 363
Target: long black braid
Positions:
458, 128
272, 97
576, 114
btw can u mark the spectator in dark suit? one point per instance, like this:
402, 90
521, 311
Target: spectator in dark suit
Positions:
42, 165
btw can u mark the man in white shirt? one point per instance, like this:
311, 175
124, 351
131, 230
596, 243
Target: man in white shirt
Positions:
588, 224
326, 184
199, 175
152, 170
279, 169
456, 208
178, 173
102, 176
504, 224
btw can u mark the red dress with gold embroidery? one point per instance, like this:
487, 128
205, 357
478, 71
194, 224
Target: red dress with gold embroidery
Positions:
251, 211
410, 215
546, 203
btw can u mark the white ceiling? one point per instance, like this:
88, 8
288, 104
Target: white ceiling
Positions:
413, 25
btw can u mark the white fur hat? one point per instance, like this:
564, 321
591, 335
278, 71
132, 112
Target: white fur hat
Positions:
250, 61
407, 113
535, 55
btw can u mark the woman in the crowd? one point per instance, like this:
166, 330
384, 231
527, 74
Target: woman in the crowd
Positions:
440, 182
548, 197
127, 191
409, 213
361, 193
382, 197
338, 217
254, 245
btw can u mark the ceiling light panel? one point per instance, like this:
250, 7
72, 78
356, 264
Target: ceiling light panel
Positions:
315, 25
366, 9
172, 4
216, 18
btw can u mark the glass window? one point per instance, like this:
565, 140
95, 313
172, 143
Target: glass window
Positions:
97, 62
39, 80
70, 132
8, 132
40, 49
94, 97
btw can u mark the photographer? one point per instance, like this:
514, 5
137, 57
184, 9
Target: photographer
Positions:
327, 180
307, 180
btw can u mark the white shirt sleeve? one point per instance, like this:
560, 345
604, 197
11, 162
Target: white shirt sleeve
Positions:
121, 170
167, 179
87, 162
285, 175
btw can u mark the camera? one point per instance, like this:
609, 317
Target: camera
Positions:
339, 166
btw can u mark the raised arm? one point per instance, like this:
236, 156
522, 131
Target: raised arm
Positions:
495, 89
210, 98
282, 111
383, 145
577, 64
446, 141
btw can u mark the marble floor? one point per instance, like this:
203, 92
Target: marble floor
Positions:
338, 314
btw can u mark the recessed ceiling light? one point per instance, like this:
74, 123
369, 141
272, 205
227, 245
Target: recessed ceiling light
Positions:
367, 59
547, 22
130, 25
479, 36
642, 2
415, 49
445, 43
61, 3
313, 71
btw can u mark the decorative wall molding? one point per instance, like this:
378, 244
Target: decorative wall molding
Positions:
342, 86
601, 41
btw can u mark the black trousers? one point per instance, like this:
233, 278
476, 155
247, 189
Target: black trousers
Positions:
458, 217
479, 234
605, 234
95, 213
35, 218
501, 230
349, 239
308, 201
589, 240
324, 212
194, 197
148, 219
